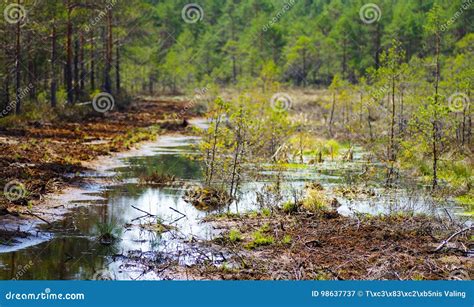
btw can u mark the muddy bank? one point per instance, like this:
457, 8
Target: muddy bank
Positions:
41, 155
41, 159
306, 245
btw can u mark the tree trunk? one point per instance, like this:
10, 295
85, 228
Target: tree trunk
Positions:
17, 69
108, 55
68, 66
435, 131
92, 55
77, 91
331, 117
117, 68
82, 67
53, 62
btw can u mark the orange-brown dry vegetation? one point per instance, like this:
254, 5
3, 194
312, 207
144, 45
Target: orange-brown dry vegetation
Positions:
41, 154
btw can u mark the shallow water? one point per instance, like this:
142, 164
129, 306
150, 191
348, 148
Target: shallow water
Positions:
74, 252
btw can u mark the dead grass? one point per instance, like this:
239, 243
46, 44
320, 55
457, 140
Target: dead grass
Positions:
330, 246
44, 155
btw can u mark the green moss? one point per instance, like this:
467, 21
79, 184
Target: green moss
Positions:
265, 228
286, 240
266, 212
466, 200
293, 165
290, 207
235, 236
260, 239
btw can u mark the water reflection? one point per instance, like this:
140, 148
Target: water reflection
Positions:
74, 252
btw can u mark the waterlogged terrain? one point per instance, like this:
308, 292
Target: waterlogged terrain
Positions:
157, 227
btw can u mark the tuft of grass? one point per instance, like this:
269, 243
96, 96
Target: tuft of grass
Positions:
266, 212
286, 240
108, 232
290, 207
157, 178
235, 236
315, 200
260, 239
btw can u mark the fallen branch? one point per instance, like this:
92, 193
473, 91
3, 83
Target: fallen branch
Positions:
451, 237
147, 213
38, 217
178, 211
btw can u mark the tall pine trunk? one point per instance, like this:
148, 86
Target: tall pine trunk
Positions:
53, 63
17, 69
68, 66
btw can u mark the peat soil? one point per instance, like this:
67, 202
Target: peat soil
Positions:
328, 246
39, 157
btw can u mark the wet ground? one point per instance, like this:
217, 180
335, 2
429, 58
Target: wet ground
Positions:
69, 249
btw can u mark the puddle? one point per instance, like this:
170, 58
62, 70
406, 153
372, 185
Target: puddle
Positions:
69, 250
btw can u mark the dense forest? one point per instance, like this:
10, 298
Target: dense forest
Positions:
59, 53
374, 94
69, 49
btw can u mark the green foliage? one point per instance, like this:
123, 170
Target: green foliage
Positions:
290, 207
108, 232
225, 146
260, 239
266, 212
235, 236
315, 200
286, 240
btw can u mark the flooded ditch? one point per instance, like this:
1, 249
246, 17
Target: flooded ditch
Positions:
69, 249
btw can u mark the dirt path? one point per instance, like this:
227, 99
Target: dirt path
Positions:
37, 158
